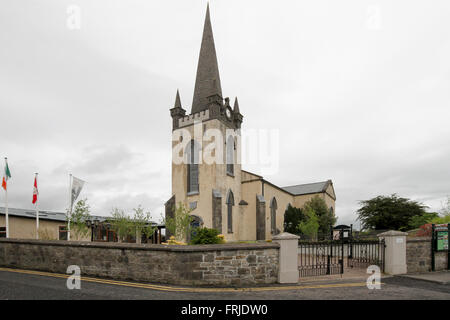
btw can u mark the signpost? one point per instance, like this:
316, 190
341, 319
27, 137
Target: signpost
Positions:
439, 242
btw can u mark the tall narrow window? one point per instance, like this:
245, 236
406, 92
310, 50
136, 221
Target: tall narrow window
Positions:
273, 216
230, 204
192, 154
230, 155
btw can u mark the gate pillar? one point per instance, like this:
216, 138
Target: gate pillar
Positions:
288, 259
395, 252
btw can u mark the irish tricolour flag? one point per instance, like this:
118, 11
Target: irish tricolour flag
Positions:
6, 175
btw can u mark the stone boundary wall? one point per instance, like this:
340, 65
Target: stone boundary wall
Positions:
418, 255
220, 265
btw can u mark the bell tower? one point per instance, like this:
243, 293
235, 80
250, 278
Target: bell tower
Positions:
212, 190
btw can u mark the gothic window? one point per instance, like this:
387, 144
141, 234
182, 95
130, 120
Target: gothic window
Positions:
192, 153
230, 155
230, 204
273, 216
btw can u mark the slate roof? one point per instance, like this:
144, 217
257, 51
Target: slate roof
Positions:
308, 188
50, 215
43, 215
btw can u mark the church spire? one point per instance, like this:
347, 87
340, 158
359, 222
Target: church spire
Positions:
207, 83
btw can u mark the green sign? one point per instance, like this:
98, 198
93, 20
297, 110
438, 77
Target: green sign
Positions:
442, 240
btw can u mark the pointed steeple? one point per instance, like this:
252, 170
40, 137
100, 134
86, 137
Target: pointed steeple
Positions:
236, 106
177, 100
207, 83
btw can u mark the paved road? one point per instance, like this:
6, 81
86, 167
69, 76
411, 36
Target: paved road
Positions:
18, 285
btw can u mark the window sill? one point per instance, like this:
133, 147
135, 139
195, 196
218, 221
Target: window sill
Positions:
193, 193
230, 174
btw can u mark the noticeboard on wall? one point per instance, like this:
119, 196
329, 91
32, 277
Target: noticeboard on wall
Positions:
442, 240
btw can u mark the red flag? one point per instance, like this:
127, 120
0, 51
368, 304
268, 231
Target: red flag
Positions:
35, 191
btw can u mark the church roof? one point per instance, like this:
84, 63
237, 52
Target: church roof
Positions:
308, 188
207, 82
43, 215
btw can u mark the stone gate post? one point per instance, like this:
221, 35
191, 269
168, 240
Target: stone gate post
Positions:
288, 259
395, 252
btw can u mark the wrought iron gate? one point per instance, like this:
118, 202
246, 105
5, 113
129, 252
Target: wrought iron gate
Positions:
316, 258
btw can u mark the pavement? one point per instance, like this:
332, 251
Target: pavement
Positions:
441, 277
16, 284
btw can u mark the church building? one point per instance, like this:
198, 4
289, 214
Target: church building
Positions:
239, 204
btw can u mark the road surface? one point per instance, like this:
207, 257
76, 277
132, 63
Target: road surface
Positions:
30, 285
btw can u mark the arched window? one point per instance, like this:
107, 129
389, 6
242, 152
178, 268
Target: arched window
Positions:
230, 204
332, 211
273, 216
192, 154
230, 155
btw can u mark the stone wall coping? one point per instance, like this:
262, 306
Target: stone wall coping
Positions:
285, 236
147, 247
418, 239
392, 233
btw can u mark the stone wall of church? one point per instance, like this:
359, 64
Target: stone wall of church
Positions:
212, 176
248, 217
221, 265
282, 200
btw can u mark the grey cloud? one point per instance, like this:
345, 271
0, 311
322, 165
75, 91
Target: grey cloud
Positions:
366, 108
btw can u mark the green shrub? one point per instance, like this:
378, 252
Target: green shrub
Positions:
206, 236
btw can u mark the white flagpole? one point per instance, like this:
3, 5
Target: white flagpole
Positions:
37, 212
6, 202
70, 206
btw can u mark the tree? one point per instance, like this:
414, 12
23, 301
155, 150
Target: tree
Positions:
445, 211
142, 223
310, 227
419, 220
325, 215
78, 220
121, 224
181, 224
292, 219
390, 213
444, 216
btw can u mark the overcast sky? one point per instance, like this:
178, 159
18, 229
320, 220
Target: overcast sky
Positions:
358, 90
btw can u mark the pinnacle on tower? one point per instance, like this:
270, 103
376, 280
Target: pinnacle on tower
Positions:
236, 106
207, 83
177, 111
177, 100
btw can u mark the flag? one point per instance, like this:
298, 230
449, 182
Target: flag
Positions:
77, 185
6, 175
35, 191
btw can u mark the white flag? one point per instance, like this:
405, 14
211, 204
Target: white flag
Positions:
77, 185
